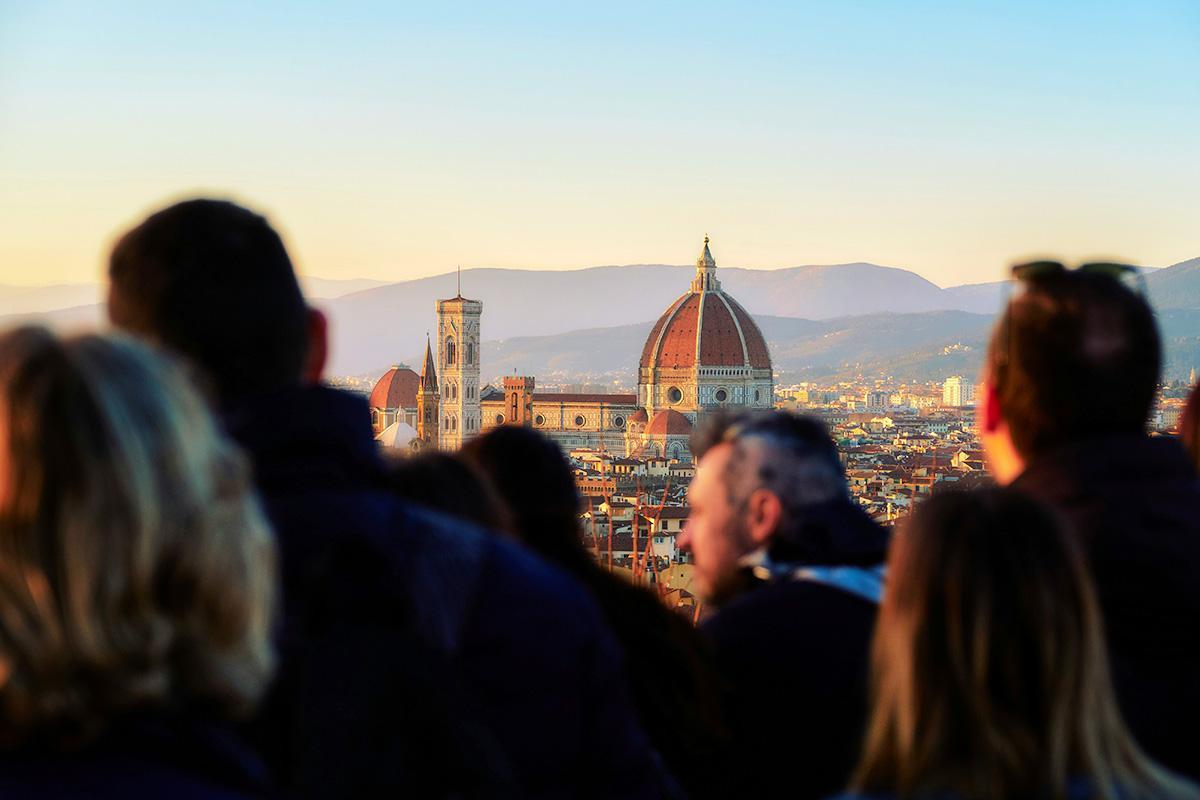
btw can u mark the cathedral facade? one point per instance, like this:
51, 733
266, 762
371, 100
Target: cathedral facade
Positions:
704, 353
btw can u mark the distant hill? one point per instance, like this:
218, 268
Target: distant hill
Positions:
376, 327
801, 349
1176, 286
821, 321
923, 346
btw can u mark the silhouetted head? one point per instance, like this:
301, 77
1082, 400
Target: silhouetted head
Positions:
991, 677
1075, 355
212, 281
535, 480
759, 475
449, 484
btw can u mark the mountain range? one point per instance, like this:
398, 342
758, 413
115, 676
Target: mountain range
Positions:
820, 321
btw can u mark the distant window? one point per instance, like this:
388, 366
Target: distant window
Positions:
674, 395
539, 420
499, 419
721, 395
579, 420
618, 422
757, 395
449, 351
470, 354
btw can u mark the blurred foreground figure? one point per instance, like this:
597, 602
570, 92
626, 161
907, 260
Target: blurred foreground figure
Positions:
418, 654
136, 580
793, 565
1071, 375
989, 672
671, 672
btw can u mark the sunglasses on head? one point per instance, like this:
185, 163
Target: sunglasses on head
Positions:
1035, 271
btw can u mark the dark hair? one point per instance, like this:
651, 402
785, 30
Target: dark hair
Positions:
990, 676
212, 281
1075, 355
533, 477
449, 484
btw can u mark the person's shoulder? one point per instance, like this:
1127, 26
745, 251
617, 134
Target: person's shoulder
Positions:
507, 580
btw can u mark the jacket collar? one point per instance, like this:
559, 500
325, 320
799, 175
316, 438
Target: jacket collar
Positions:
306, 434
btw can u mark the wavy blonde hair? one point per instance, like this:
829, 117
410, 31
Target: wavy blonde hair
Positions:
991, 678
136, 568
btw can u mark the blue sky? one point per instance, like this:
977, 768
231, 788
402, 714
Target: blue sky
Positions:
397, 140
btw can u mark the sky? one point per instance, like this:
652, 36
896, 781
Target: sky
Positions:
398, 140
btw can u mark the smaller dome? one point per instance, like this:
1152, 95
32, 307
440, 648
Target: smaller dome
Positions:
639, 416
396, 389
669, 423
398, 434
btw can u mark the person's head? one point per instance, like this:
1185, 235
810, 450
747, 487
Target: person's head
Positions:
136, 569
212, 281
990, 677
1189, 425
1075, 355
535, 481
756, 474
447, 483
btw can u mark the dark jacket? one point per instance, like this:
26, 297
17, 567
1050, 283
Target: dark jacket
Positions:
1135, 503
795, 655
419, 653
148, 757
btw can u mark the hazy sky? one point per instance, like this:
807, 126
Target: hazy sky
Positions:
393, 140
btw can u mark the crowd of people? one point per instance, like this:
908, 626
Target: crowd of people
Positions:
212, 584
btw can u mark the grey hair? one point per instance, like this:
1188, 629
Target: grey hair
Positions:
789, 455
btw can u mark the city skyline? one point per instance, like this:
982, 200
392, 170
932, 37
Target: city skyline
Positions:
393, 143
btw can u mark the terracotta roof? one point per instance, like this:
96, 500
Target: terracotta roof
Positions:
672, 340
669, 423
562, 397
639, 416
396, 389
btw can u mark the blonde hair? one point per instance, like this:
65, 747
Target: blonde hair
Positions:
136, 568
991, 678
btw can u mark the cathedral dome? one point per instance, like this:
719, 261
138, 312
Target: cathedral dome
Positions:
396, 389
705, 328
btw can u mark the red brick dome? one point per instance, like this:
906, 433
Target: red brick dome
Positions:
639, 416
669, 423
708, 324
396, 389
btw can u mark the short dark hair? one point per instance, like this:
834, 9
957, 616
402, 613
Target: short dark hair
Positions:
212, 281
1075, 355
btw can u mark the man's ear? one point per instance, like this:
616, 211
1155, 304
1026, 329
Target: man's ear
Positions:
991, 416
317, 331
764, 511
